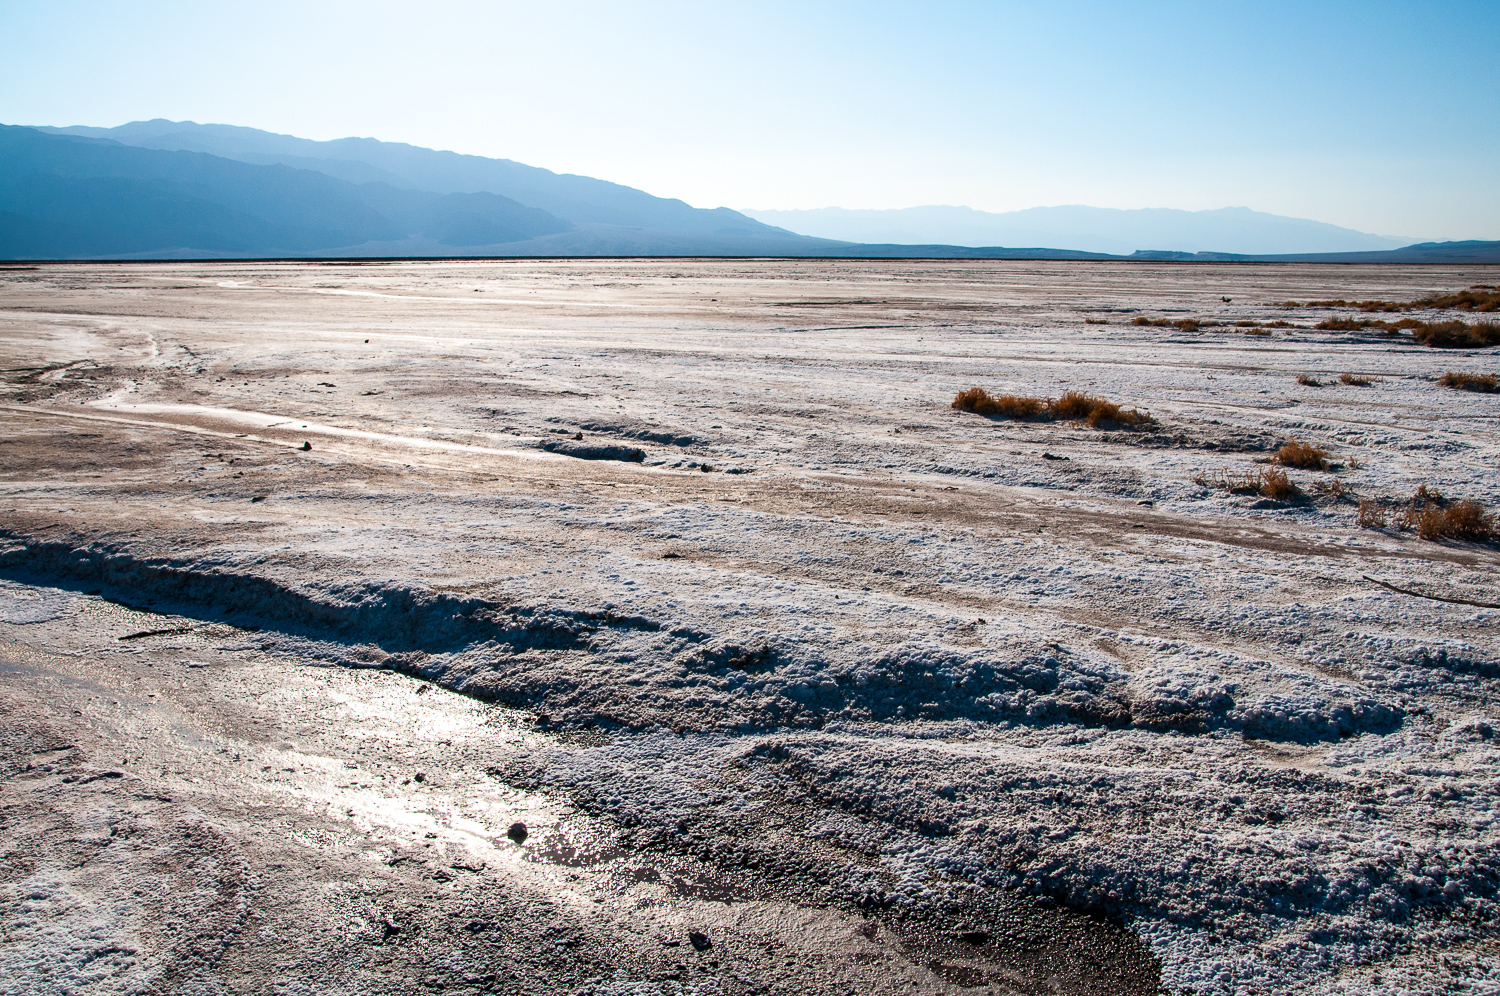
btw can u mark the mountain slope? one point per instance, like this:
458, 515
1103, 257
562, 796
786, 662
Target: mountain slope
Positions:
66, 196
1108, 230
582, 200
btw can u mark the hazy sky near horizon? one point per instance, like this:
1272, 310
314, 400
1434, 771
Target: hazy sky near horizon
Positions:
1377, 116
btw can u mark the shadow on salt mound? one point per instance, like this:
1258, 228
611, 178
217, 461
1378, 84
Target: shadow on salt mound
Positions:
595, 451
23, 604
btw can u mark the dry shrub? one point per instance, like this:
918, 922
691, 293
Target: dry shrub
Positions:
1185, 324
1457, 334
1334, 488
1484, 383
1258, 332
1308, 380
1280, 324
1278, 484
1096, 321
1357, 380
1371, 515
1462, 520
1479, 297
1078, 406
1303, 455
1272, 483
1072, 406
1247, 325
981, 402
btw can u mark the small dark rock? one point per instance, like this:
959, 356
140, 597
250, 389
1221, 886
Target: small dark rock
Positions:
257, 498
420, 776
670, 942
306, 446
1147, 502
699, 940
975, 936
1054, 456
517, 832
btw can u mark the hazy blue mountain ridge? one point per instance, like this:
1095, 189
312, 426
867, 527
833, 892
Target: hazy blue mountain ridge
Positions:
162, 189
73, 196
582, 200
1090, 229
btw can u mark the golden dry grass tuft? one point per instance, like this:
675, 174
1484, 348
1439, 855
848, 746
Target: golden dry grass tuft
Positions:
1431, 517
1274, 484
1456, 334
1371, 514
1483, 383
981, 402
1463, 520
1073, 406
1078, 406
1302, 455
1333, 487
1308, 380
1096, 321
1185, 324
1357, 380
1479, 297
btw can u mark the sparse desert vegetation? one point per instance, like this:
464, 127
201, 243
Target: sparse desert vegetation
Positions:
1371, 514
1433, 517
1462, 520
1357, 380
1184, 324
1303, 456
1479, 297
1268, 483
1457, 334
1454, 334
1308, 380
1072, 406
1483, 383
1335, 488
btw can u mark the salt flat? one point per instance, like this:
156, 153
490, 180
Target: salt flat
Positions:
872, 694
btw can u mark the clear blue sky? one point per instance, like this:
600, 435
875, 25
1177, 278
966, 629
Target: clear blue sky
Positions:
1378, 116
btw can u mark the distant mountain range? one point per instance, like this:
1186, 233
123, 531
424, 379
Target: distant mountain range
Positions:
173, 190
1089, 229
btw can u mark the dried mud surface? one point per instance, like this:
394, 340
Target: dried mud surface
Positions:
317, 579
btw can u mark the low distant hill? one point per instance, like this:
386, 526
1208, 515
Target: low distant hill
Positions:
1084, 229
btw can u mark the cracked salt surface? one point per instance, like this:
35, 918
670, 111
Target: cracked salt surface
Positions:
958, 669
